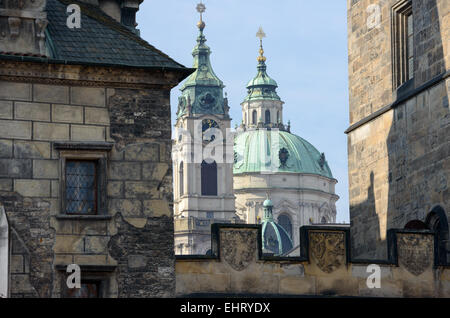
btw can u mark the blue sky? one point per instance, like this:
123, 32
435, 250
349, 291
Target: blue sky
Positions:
306, 50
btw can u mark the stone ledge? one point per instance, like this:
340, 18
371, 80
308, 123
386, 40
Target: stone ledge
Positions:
89, 268
83, 217
67, 145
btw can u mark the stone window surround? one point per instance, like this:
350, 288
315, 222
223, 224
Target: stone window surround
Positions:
400, 77
90, 151
100, 274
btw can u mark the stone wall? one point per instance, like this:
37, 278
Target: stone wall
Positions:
59, 110
325, 267
398, 145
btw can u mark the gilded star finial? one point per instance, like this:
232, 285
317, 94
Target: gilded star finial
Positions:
260, 34
200, 9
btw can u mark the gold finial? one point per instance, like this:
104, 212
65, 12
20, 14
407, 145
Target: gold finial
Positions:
200, 9
260, 34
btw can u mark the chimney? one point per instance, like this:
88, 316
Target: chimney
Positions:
128, 13
123, 11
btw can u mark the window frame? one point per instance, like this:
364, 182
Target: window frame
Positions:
79, 152
401, 72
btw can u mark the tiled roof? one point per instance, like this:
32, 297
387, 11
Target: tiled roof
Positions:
100, 39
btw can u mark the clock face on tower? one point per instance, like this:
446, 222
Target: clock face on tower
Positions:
207, 100
208, 133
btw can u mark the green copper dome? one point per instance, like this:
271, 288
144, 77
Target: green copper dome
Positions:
265, 150
275, 239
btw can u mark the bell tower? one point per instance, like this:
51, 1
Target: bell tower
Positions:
203, 174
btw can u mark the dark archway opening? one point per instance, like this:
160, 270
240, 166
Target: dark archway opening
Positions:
437, 222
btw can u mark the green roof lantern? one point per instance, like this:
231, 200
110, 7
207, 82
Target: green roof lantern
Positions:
203, 86
275, 239
261, 86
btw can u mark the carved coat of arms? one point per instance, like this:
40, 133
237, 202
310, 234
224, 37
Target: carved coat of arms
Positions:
415, 252
327, 250
238, 247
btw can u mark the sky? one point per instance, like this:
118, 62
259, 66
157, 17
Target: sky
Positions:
306, 50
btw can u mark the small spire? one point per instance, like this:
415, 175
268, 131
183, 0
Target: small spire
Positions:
200, 9
260, 34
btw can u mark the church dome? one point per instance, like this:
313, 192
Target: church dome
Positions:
275, 239
263, 150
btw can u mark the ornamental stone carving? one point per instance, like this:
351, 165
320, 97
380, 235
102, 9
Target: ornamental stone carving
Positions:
415, 252
327, 250
238, 247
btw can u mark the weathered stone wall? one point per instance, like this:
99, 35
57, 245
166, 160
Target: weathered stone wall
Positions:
130, 245
324, 268
398, 144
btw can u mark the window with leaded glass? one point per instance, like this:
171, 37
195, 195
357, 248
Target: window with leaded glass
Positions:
402, 43
81, 186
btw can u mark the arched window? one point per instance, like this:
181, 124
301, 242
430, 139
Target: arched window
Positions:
278, 116
209, 178
181, 178
324, 220
254, 117
267, 116
286, 224
437, 222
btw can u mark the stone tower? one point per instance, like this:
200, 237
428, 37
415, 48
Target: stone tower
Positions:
85, 153
398, 139
203, 175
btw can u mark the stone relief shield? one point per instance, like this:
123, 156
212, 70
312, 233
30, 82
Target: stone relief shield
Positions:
327, 250
415, 252
238, 247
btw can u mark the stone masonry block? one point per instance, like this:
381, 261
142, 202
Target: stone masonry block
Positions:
32, 188
88, 133
15, 168
95, 244
115, 188
15, 91
142, 152
50, 93
154, 171
15, 129
88, 96
6, 184
48, 131
32, 149
144, 190
69, 244
6, 108
124, 171
5, 148
67, 114
157, 208
45, 169
126, 207
96, 116
32, 111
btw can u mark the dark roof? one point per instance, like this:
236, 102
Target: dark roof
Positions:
100, 40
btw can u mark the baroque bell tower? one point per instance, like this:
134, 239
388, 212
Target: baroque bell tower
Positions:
203, 172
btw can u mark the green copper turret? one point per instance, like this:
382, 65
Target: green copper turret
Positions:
261, 86
202, 92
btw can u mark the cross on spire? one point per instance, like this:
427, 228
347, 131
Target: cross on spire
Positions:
200, 9
260, 34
